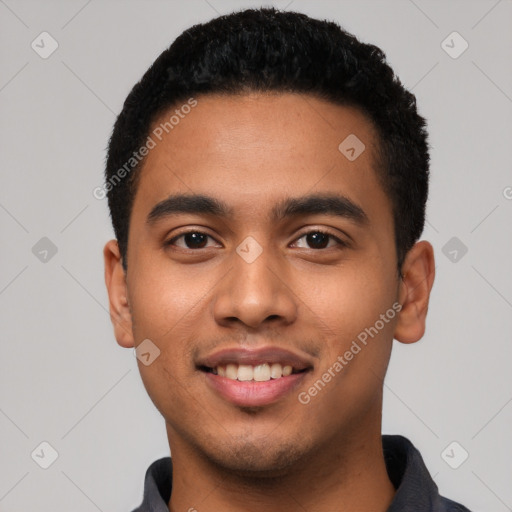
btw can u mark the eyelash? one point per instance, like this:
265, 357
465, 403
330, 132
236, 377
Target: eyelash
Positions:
340, 242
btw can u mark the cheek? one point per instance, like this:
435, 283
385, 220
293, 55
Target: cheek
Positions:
168, 385
356, 348
356, 308
163, 311
164, 300
350, 299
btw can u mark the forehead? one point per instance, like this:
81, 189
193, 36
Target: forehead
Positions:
247, 149
270, 121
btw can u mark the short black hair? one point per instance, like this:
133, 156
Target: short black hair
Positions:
264, 50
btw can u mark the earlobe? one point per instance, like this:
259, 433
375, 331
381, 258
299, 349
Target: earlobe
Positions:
418, 271
115, 280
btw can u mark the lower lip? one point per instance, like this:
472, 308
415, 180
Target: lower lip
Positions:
252, 393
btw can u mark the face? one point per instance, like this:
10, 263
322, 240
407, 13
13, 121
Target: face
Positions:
278, 258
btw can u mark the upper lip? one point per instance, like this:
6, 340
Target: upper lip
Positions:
255, 356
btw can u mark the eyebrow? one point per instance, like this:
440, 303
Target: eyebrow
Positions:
323, 204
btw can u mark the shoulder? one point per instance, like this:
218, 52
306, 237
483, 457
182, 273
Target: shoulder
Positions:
415, 488
157, 486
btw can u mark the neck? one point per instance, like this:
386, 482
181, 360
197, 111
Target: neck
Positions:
347, 474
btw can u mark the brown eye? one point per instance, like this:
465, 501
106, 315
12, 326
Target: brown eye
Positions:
191, 240
320, 240
317, 240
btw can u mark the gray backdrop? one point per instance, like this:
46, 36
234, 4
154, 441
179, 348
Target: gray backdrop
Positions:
65, 382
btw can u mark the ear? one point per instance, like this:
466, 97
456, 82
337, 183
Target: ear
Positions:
115, 279
418, 271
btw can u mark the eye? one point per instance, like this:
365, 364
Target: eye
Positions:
320, 239
191, 239
315, 239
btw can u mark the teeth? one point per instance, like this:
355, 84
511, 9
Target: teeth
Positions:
276, 371
245, 372
231, 371
259, 373
287, 370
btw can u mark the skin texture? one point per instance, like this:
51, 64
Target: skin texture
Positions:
252, 151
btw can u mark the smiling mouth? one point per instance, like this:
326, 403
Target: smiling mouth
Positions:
254, 377
253, 373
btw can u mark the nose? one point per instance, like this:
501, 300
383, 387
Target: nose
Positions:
254, 293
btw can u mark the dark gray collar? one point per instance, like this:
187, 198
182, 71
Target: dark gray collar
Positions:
415, 488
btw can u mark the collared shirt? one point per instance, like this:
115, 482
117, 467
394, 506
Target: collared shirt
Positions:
415, 489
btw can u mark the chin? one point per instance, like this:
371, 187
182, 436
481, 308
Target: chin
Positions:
256, 459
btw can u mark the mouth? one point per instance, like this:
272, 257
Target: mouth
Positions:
251, 378
257, 373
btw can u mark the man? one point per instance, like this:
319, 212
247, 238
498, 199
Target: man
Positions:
267, 181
